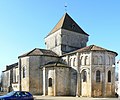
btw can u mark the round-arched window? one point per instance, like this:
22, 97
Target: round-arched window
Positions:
50, 82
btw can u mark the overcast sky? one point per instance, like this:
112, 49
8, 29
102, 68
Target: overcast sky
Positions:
25, 23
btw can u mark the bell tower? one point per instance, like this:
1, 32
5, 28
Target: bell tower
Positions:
66, 36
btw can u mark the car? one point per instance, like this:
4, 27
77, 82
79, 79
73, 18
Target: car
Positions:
116, 95
17, 95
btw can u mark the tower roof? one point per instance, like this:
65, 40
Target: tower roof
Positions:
66, 22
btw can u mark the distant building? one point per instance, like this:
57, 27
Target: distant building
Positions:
9, 77
68, 66
118, 84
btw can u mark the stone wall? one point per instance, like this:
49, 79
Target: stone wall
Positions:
35, 84
63, 81
60, 77
73, 39
103, 88
5, 80
33, 80
64, 41
73, 81
9, 76
53, 42
25, 74
91, 62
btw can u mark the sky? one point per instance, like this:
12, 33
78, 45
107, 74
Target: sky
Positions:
25, 23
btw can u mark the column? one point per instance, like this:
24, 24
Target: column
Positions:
91, 73
78, 76
55, 81
67, 60
104, 76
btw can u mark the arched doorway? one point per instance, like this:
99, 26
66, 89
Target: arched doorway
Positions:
83, 82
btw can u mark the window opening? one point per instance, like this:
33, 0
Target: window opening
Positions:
23, 72
84, 76
50, 82
97, 76
109, 76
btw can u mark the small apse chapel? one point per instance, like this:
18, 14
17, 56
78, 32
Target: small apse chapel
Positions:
67, 66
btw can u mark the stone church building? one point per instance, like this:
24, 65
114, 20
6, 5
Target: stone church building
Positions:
68, 66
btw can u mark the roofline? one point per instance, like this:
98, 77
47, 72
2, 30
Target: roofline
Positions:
27, 54
56, 65
39, 55
10, 68
67, 30
89, 51
51, 34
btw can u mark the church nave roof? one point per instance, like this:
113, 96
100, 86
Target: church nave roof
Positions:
38, 52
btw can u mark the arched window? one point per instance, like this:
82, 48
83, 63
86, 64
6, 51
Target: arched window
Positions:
74, 61
109, 76
50, 82
84, 76
23, 72
97, 76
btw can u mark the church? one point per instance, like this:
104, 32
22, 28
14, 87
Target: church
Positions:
67, 67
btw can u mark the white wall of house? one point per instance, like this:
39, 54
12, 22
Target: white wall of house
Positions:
118, 78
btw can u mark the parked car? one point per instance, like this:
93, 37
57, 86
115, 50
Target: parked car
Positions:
116, 95
17, 95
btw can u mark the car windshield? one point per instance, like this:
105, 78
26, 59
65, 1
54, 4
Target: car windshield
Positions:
11, 93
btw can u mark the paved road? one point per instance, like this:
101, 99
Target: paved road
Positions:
37, 97
71, 98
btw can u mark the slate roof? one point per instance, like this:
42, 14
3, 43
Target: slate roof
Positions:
93, 48
38, 52
66, 22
